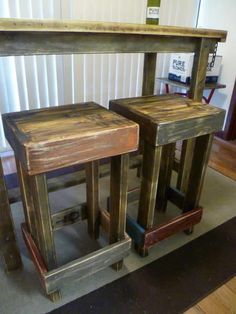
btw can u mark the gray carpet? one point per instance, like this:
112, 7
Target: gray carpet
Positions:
21, 290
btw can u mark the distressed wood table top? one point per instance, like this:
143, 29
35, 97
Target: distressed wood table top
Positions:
29, 25
169, 118
35, 37
52, 138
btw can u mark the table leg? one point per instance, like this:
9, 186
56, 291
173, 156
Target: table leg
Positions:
149, 71
8, 244
92, 190
118, 199
196, 91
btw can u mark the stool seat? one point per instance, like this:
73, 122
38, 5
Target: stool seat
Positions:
169, 118
56, 137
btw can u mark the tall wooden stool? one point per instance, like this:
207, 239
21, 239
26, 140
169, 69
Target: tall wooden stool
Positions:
8, 245
164, 120
53, 138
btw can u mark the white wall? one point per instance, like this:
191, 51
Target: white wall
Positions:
220, 14
175, 13
42, 81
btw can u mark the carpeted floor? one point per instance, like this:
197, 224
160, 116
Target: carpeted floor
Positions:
22, 291
170, 284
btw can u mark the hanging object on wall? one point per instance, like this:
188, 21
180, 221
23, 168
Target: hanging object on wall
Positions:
153, 12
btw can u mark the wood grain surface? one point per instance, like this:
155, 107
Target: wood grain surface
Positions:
168, 118
25, 37
29, 25
8, 245
52, 138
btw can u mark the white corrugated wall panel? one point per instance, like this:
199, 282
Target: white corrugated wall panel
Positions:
42, 81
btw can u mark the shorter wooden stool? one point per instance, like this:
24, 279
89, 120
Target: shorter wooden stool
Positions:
163, 121
53, 138
8, 245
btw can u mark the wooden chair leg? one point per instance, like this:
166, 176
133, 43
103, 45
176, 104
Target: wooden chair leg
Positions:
185, 164
8, 245
43, 222
197, 172
167, 159
118, 199
27, 199
139, 168
147, 202
151, 167
92, 189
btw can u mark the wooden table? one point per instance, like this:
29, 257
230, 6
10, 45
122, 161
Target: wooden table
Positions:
21, 37
208, 86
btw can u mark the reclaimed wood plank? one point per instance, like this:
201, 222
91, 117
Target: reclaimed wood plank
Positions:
149, 182
43, 219
45, 239
88, 265
92, 193
69, 216
71, 179
105, 220
8, 244
118, 199
66, 26
167, 158
135, 231
173, 226
27, 199
22, 43
149, 71
168, 118
176, 197
197, 85
197, 172
200, 62
36, 257
48, 139
186, 157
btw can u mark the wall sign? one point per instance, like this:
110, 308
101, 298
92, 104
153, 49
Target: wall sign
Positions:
153, 12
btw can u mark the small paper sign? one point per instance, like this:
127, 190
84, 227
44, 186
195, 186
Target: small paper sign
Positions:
153, 12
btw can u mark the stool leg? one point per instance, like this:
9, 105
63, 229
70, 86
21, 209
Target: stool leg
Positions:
167, 159
27, 199
92, 189
150, 173
8, 243
44, 224
197, 172
118, 199
185, 164
151, 167
139, 169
